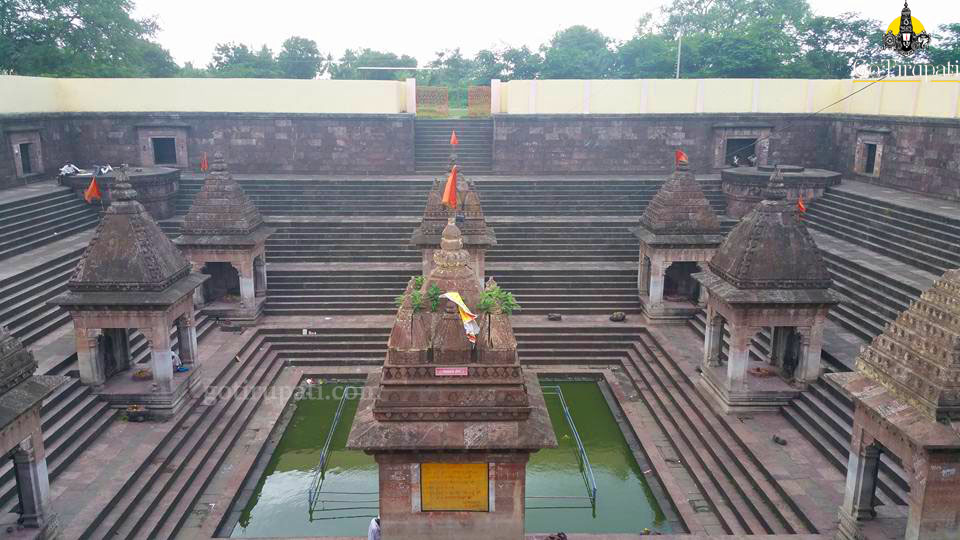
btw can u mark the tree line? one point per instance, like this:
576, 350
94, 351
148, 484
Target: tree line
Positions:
720, 38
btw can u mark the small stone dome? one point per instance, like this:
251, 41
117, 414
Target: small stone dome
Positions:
771, 248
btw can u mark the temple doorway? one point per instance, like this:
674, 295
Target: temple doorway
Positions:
678, 286
739, 151
224, 282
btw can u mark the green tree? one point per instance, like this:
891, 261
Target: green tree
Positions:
649, 56
488, 64
945, 44
521, 63
832, 45
299, 58
74, 38
352, 59
577, 52
238, 61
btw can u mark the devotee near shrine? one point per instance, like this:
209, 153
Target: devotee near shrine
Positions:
576, 295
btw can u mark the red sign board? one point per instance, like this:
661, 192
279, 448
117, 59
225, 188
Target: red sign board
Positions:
450, 371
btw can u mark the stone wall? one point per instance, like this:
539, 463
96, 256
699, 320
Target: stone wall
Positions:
251, 142
56, 145
918, 154
547, 144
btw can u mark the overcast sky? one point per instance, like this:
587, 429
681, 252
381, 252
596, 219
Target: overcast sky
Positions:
191, 28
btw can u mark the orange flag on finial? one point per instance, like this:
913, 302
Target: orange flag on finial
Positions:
92, 192
800, 206
681, 157
453, 138
450, 190
204, 163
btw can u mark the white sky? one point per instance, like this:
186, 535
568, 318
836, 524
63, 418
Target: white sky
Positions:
191, 28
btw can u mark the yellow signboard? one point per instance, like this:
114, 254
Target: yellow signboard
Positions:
454, 487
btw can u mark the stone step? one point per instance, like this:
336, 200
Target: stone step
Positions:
190, 425
940, 234
880, 205
35, 240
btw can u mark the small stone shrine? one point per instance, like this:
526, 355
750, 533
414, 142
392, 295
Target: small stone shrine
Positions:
767, 274
477, 236
677, 232
743, 186
906, 394
224, 236
451, 423
21, 396
132, 277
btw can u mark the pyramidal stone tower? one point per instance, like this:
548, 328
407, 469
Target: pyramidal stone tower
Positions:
906, 393
224, 236
680, 229
132, 276
451, 423
477, 236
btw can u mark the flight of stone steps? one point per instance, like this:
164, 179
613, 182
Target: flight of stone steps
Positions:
582, 196
31, 222
824, 415
432, 145
927, 241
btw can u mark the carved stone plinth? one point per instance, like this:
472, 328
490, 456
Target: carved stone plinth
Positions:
743, 186
156, 188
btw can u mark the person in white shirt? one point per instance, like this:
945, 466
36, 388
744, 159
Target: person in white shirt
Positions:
373, 533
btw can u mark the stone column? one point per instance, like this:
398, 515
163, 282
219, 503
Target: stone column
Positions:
247, 292
712, 339
778, 344
657, 269
738, 357
158, 338
811, 344
88, 361
259, 276
33, 482
187, 339
643, 274
199, 299
862, 468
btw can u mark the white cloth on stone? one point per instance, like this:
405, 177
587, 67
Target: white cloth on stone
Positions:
373, 532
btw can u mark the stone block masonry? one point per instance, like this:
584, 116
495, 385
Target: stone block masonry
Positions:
251, 142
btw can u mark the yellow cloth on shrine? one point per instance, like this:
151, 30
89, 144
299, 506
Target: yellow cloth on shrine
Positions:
470, 326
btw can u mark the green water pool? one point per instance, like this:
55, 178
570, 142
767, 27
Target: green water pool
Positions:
280, 505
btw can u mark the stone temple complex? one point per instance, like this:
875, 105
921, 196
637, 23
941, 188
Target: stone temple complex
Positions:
273, 324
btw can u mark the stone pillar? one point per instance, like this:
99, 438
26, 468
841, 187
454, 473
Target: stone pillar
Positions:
247, 292
862, 468
88, 361
33, 482
712, 339
199, 299
161, 356
811, 345
260, 276
738, 357
411, 91
643, 274
187, 339
934, 496
657, 269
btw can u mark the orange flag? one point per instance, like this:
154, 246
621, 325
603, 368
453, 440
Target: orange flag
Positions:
204, 164
800, 206
453, 138
681, 157
450, 190
92, 192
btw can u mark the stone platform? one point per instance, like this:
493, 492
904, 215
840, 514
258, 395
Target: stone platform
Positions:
156, 188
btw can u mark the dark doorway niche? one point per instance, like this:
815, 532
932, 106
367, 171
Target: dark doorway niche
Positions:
224, 282
739, 151
164, 150
678, 286
870, 163
26, 165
